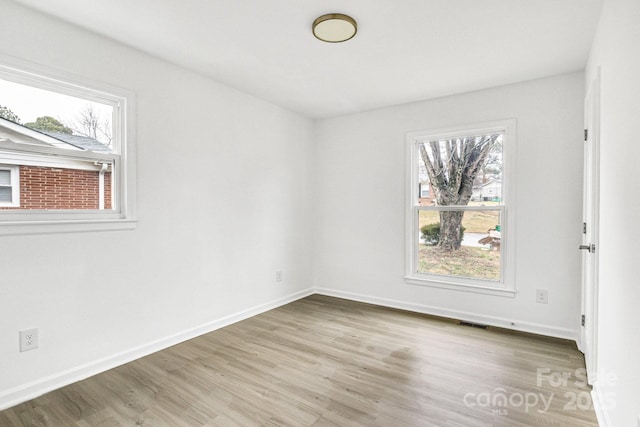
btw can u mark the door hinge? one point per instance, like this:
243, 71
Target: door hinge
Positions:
586, 134
584, 228
582, 320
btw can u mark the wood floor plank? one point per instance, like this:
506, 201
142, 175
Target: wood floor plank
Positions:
323, 361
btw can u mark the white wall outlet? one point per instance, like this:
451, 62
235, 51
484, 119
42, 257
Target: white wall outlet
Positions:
542, 296
28, 339
279, 276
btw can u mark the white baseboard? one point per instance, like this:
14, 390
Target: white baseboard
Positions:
516, 325
600, 405
37, 388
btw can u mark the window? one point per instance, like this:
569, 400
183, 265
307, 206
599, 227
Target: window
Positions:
9, 187
68, 143
424, 190
461, 239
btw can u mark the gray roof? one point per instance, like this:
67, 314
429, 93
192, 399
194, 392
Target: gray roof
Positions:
80, 141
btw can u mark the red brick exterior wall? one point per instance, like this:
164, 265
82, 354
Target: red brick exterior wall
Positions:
107, 191
57, 188
426, 201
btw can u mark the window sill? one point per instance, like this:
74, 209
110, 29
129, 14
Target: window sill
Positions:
443, 284
15, 228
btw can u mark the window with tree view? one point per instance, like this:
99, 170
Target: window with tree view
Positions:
457, 218
62, 150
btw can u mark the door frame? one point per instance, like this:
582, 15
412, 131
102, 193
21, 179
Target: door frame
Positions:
590, 236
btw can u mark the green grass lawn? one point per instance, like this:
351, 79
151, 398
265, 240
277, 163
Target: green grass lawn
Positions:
473, 222
474, 263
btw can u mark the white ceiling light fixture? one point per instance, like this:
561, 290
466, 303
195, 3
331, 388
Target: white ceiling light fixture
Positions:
334, 28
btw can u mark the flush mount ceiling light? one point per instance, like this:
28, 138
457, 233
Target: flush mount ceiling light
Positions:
334, 28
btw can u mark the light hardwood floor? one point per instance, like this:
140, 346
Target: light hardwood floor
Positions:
324, 361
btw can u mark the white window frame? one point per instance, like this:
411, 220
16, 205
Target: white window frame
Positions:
123, 214
14, 174
506, 286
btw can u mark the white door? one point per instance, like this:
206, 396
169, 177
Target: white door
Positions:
589, 245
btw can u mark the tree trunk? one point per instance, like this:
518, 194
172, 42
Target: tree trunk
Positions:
452, 166
450, 226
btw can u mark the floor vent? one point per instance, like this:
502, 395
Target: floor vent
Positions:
473, 325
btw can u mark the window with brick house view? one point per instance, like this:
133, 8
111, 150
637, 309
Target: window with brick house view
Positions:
42, 181
61, 149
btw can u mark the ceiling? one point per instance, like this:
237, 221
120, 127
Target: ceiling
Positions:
405, 50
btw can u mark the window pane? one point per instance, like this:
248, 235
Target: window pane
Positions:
5, 177
460, 244
57, 115
32, 118
80, 187
459, 170
5, 195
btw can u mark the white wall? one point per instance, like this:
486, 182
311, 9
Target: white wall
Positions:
360, 204
224, 192
616, 51
223, 184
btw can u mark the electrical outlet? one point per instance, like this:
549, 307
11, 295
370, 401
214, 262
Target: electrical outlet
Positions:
28, 339
542, 296
279, 276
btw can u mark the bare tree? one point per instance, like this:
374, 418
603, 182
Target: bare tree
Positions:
89, 122
452, 166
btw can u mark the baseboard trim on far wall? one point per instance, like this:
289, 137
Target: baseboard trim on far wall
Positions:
512, 324
41, 386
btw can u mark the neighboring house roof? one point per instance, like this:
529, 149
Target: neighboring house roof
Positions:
81, 141
15, 140
17, 133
